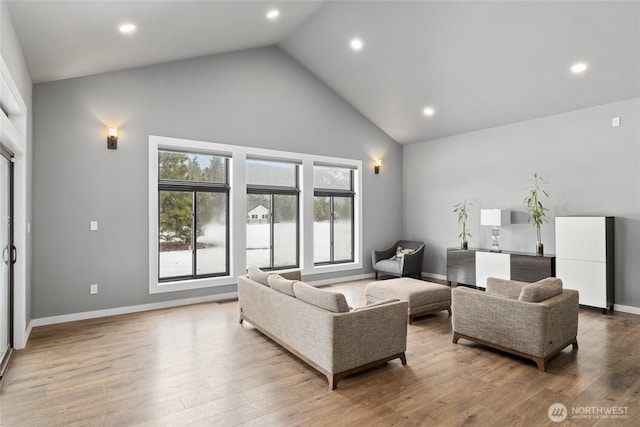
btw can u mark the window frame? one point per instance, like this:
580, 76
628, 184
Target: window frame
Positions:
193, 188
332, 193
272, 190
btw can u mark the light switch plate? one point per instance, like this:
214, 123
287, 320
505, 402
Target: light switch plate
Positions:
94, 225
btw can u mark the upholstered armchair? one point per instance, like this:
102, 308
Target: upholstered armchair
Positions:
532, 320
386, 262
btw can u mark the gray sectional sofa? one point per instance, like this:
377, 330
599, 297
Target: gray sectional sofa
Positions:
319, 327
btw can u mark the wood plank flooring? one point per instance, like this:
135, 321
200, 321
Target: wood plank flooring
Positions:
197, 366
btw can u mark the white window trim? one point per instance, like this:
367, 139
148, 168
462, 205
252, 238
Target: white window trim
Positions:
237, 210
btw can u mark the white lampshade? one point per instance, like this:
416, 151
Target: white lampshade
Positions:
495, 217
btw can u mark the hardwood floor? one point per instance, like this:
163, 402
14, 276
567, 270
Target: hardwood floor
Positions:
197, 366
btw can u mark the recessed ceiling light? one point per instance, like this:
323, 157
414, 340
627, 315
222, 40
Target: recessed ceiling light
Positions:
578, 68
127, 28
356, 44
273, 14
429, 111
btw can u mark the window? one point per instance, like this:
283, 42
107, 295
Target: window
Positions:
272, 212
333, 215
193, 215
216, 209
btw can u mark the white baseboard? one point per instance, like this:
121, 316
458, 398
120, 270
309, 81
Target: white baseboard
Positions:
434, 276
165, 304
129, 309
626, 309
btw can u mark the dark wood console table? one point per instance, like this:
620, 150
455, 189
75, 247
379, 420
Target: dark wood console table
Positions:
468, 267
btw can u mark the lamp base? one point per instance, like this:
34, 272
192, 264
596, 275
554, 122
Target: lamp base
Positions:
495, 233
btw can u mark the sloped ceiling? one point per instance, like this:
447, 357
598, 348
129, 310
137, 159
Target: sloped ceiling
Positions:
477, 64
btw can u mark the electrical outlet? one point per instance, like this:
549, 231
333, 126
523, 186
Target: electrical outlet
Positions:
615, 121
93, 225
94, 289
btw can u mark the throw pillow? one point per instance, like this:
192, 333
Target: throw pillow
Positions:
280, 284
400, 252
258, 275
541, 290
327, 300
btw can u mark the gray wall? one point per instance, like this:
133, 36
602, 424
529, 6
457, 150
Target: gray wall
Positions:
259, 98
591, 168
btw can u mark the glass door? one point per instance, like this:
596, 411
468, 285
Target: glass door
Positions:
8, 257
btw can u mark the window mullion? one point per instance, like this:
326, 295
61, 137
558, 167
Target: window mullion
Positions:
331, 230
271, 239
193, 234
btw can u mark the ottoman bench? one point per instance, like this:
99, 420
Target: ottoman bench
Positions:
423, 297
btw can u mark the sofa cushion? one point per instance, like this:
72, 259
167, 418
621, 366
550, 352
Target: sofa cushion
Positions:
375, 304
280, 284
258, 275
332, 301
388, 266
541, 290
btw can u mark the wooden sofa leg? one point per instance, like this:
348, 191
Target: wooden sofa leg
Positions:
575, 343
541, 362
403, 358
456, 337
333, 381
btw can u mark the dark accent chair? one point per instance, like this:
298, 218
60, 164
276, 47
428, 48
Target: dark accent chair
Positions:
408, 265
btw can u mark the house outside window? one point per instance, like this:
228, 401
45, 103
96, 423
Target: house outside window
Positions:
333, 215
193, 215
272, 212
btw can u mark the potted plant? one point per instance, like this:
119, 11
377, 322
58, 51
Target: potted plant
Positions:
462, 209
537, 211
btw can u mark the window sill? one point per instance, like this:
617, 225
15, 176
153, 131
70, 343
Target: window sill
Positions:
190, 284
331, 268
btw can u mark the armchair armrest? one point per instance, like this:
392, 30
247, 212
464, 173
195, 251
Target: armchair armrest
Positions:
413, 262
383, 254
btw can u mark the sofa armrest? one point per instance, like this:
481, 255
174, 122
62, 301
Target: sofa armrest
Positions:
531, 328
369, 334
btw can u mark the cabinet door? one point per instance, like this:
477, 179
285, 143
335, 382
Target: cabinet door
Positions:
527, 268
492, 264
587, 277
581, 238
461, 267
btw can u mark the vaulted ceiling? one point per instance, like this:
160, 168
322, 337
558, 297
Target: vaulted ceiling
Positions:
476, 64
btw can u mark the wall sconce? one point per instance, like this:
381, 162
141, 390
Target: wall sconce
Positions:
376, 168
495, 218
112, 139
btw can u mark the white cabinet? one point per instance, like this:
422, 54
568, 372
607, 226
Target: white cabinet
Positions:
584, 258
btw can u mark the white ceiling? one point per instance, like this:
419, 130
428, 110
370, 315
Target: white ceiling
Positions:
479, 64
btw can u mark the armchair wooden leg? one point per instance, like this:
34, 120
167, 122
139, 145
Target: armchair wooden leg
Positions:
575, 343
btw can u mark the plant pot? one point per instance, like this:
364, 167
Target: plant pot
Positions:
464, 245
539, 248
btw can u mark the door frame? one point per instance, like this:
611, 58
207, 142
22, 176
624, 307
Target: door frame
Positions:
13, 134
